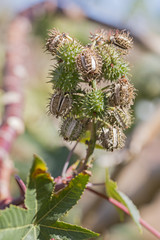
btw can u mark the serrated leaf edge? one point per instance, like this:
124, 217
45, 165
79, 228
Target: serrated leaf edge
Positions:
73, 225
61, 201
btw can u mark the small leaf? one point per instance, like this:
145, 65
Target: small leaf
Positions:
112, 191
132, 209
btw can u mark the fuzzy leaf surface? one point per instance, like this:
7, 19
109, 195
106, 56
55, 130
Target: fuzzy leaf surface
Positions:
44, 208
113, 192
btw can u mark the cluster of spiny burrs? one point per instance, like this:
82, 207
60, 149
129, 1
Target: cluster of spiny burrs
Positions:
91, 83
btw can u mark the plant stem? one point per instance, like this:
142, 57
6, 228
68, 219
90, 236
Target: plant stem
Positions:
124, 209
91, 146
68, 160
92, 141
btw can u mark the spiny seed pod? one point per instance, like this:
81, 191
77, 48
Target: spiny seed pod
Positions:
114, 66
112, 138
60, 104
122, 93
120, 117
93, 104
89, 63
56, 39
115, 70
72, 129
99, 37
67, 54
121, 39
64, 80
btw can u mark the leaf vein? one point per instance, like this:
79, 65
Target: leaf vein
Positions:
55, 205
15, 228
63, 229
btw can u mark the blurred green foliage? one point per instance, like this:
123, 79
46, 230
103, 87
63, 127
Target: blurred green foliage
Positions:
41, 135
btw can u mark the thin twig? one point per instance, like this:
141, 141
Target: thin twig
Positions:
124, 209
68, 160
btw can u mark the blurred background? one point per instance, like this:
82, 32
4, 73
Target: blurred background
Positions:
136, 168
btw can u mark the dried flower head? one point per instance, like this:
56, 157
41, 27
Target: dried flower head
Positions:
99, 37
60, 104
56, 39
112, 138
89, 63
122, 93
72, 129
121, 39
119, 117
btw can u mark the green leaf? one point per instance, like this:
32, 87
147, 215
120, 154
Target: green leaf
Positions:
14, 221
40, 184
113, 192
63, 201
61, 230
44, 208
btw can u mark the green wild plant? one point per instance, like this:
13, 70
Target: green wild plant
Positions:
91, 87
92, 94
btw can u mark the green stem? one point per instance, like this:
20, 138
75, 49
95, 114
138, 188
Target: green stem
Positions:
92, 141
91, 147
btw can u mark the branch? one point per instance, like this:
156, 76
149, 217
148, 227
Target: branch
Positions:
13, 85
124, 209
68, 160
14, 74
